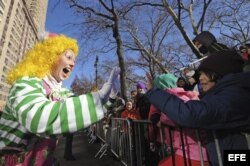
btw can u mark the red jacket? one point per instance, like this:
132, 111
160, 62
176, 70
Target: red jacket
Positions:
132, 114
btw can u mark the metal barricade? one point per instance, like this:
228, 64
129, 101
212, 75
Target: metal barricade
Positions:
121, 140
167, 135
92, 133
101, 131
129, 141
143, 154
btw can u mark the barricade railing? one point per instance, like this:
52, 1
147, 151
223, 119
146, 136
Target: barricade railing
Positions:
143, 153
92, 133
121, 144
167, 134
200, 137
130, 142
139, 151
101, 131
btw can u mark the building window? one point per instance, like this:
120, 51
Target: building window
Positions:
3, 78
5, 70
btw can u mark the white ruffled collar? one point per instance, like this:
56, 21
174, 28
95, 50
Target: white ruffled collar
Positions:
51, 81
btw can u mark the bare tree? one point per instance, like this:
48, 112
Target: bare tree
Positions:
230, 17
149, 42
178, 18
102, 16
152, 43
156, 46
82, 85
233, 21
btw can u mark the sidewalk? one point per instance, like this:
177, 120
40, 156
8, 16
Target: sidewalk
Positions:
84, 153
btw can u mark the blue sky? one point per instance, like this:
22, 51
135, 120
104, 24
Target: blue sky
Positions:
57, 19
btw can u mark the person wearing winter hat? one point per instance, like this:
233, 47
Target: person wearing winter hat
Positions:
142, 104
223, 109
207, 43
182, 83
164, 81
141, 87
39, 108
168, 83
217, 65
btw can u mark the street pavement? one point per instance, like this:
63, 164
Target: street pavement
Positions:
84, 152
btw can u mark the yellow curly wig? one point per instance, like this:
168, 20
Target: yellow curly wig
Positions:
38, 61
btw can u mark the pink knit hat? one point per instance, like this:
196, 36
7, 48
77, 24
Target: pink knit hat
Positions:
51, 34
42, 35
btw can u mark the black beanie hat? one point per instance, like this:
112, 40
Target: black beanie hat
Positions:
205, 38
181, 78
222, 62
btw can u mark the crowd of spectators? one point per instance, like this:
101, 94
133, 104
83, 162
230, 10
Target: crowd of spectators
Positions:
198, 89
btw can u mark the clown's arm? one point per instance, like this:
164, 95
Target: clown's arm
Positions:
33, 110
29, 105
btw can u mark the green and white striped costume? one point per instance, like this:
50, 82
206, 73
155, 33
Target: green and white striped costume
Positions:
28, 110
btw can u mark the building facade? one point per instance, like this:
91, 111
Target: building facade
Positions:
19, 25
38, 10
2, 7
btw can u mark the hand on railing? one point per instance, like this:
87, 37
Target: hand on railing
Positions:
152, 146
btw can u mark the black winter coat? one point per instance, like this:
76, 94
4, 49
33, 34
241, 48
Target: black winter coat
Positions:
225, 108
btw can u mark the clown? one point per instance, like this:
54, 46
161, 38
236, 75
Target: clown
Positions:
38, 108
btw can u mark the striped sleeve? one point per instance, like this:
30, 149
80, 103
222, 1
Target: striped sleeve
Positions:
39, 115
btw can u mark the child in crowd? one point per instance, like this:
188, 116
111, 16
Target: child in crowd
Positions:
130, 112
167, 82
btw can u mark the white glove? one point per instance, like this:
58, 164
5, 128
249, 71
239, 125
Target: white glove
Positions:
115, 88
106, 88
114, 74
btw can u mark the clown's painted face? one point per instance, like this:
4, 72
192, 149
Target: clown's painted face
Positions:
64, 66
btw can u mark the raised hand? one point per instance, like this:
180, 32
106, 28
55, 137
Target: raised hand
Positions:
115, 88
105, 91
114, 74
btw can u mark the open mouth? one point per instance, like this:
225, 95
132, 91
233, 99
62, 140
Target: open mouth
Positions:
66, 70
